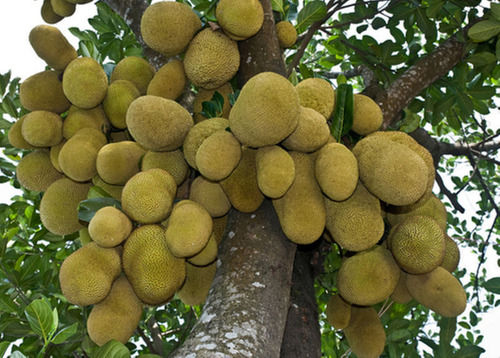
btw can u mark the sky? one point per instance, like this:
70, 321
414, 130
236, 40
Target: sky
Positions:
18, 17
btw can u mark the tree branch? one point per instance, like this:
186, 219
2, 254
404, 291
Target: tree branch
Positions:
452, 197
483, 184
148, 341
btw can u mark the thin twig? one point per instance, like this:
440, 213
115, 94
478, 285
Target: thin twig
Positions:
146, 339
483, 184
452, 197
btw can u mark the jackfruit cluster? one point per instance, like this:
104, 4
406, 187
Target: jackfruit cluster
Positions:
53, 11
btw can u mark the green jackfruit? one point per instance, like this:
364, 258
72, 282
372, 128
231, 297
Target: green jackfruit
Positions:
169, 82
109, 227
207, 255
48, 14
63, 8
36, 172
338, 312
318, 94
240, 19
79, 118
311, 133
365, 333
287, 34
51, 46
367, 115
84, 237
43, 91
116, 163
432, 207
209, 195
275, 171
42, 128
54, 155
401, 293
118, 98
204, 95
114, 190
173, 162
136, 70
15, 135
451, 254
198, 282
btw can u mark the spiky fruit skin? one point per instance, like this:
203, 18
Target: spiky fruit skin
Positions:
365, 333
210, 195
198, 282
318, 94
169, 82
157, 123
311, 133
42, 129
147, 197
84, 82
338, 312
173, 162
275, 171
240, 19
62, 7
287, 34
79, 118
432, 207
218, 155
368, 277
48, 14
367, 115
87, 274
117, 316
301, 211
168, 27
117, 162
438, 290
109, 227
204, 95
59, 206
401, 293
15, 135
36, 172
118, 98
155, 274
266, 111
43, 91
207, 255
136, 70
451, 254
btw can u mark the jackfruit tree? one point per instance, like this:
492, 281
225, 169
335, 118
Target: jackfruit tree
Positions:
253, 178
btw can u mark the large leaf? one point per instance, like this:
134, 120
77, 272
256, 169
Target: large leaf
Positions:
65, 333
312, 12
40, 318
493, 285
3, 348
278, 6
482, 58
484, 30
343, 112
112, 349
495, 11
469, 352
88, 208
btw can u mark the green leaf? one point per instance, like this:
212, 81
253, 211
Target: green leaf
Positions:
312, 12
3, 348
400, 335
484, 30
493, 285
410, 122
112, 349
65, 333
97, 192
149, 355
482, 92
88, 208
17, 354
497, 49
434, 8
40, 318
447, 326
343, 113
378, 23
278, 6
482, 58
495, 11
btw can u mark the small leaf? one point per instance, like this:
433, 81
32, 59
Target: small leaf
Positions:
343, 112
482, 58
493, 285
312, 12
88, 208
40, 318
112, 349
278, 6
495, 11
378, 23
469, 352
97, 192
484, 30
65, 333
410, 122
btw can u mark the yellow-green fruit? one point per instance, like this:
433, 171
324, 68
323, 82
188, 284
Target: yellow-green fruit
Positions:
432, 207
148, 196
136, 70
59, 206
36, 172
365, 333
79, 118
311, 133
167, 27
116, 163
158, 123
287, 34
54, 155
219, 227
169, 82
368, 277
275, 171
204, 95
209, 195
367, 115
211, 59
318, 94
338, 312
198, 282
336, 170
173, 162
218, 155
118, 98
48, 14
87, 274
78, 155
451, 254
79, 1
84, 237
84, 82
109, 227
207, 255
198, 134
241, 186
418, 244
240, 19
390, 170
189, 228
42, 128
62, 7
266, 111
114, 190
401, 293
155, 274
117, 316
15, 135
51, 46
356, 224
439, 291
43, 91
301, 211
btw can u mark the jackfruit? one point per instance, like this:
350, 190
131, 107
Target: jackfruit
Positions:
287, 34
365, 333
368, 277
189, 228
155, 274
367, 115
195, 289
204, 95
63, 8
336, 170
318, 94
451, 254
241, 186
338, 312
109, 227
311, 133
219, 227
439, 291
147, 197
218, 155
116, 163
48, 14
87, 274
275, 171
266, 111
84, 237
168, 27
43, 91
173, 162
42, 128
117, 316
356, 224
114, 190
401, 293
136, 70
118, 98
207, 255
158, 123
84, 82
211, 59
79, 118
54, 155
432, 207
209, 195
36, 172
198, 134
240, 19
15, 135
169, 82
301, 211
